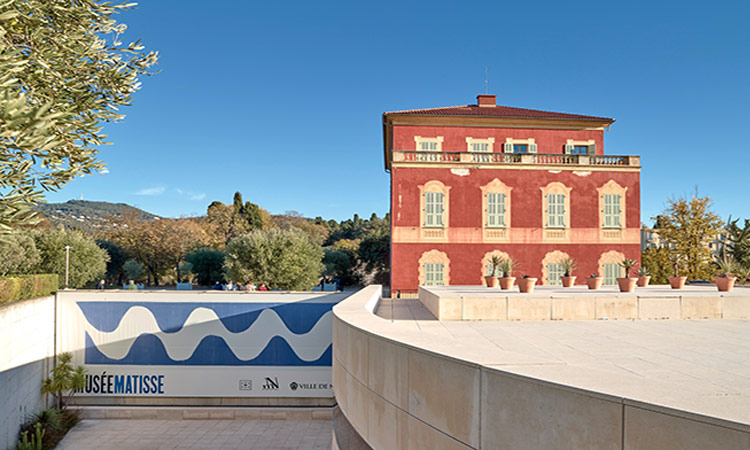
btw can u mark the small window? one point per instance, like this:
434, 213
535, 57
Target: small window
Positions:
433, 274
480, 147
495, 210
428, 146
520, 148
554, 274
612, 212
580, 150
433, 209
555, 210
611, 273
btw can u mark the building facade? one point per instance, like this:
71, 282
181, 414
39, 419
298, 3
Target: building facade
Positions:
469, 182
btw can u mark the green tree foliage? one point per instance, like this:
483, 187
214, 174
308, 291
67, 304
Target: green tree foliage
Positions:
133, 270
208, 265
375, 252
236, 219
283, 259
117, 257
63, 72
342, 263
689, 226
738, 241
88, 261
18, 254
657, 262
317, 232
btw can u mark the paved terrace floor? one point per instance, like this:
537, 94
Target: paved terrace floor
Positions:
701, 366
127, 434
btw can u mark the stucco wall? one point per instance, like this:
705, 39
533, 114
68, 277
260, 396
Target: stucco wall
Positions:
464, 243
26, 349
548, 141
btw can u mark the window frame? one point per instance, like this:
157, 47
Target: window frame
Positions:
437, 140
434, 186
559, 272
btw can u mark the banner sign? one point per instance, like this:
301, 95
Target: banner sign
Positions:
224, 345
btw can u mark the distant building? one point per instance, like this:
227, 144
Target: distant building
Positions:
650, 239
469, 182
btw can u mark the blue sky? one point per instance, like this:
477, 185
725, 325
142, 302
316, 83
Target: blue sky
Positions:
283, 100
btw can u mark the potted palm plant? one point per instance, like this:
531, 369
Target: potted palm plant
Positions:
643, 277
727, 268
594, 281
526, 284
569, 265
491, 279
627, 283
506, 270
676, 281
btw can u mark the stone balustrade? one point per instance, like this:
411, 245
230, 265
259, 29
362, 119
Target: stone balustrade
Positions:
407, 156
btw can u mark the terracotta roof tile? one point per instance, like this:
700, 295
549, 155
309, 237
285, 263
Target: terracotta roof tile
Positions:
496, 111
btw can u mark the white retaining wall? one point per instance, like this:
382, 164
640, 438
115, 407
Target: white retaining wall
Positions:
26, 348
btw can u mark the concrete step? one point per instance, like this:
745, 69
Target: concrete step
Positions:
203, 412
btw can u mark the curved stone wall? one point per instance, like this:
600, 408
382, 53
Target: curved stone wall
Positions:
400, 389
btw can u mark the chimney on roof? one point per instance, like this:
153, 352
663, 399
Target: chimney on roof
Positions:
486, 100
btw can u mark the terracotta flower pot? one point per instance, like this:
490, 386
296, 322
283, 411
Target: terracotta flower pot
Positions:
526, 284
594, 283
643, 281
568, 281
627, 284
507, 283
491, 281
677, 282
725, 284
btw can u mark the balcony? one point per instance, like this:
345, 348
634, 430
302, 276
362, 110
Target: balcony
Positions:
513, 159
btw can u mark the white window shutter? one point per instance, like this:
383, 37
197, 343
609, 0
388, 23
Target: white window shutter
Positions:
508, 147
568, 149
532, 148
592, 149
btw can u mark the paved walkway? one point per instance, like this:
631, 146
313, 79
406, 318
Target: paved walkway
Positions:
130, 434
701, 366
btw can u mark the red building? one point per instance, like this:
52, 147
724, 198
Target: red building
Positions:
469, 182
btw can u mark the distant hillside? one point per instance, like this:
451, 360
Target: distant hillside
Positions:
86, 215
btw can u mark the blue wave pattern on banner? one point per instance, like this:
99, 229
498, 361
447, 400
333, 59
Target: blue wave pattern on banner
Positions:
148, 350
299, 317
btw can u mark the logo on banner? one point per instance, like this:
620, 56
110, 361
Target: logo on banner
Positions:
309, 386
246, 385
271, 384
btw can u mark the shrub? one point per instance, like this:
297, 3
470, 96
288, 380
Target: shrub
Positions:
23, 287
283, 259
18, 254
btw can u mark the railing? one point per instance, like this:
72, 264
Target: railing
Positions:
516, 158
432, 156
502, 158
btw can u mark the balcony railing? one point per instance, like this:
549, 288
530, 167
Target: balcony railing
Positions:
516, 158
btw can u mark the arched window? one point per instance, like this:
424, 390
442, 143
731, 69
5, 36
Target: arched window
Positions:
552, 268
556, 212
434, 269
434, 210
487, 266
611, 210
609, 266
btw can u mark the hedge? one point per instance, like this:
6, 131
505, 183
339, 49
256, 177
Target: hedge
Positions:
22, 287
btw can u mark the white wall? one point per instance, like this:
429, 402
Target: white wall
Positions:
26, 348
